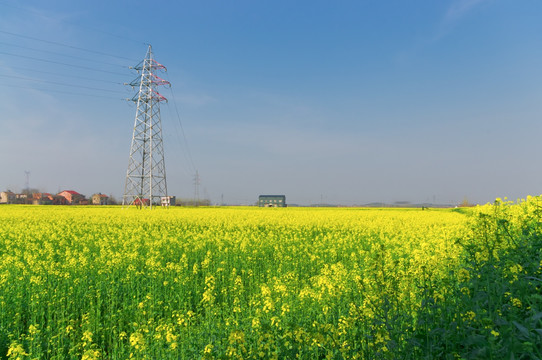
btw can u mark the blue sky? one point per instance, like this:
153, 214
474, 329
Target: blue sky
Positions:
349, 102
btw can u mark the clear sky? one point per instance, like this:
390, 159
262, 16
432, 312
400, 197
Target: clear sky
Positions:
345, 102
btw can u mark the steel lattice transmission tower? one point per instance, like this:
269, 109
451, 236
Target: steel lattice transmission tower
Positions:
146, 174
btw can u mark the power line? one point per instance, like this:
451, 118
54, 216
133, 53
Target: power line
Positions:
60, 63
64, 75
56, 83
182, 147
181, 126
59, 91
57, 53
65, 45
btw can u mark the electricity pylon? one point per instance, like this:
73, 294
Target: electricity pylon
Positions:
146, 174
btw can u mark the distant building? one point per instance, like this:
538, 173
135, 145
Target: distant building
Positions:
59, 200
7, 197
100, 199
42, 199
73, 197
141, 202
168, 200
23, 199
272, 201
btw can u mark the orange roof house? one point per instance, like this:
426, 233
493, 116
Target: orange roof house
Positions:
42, 199
72, 197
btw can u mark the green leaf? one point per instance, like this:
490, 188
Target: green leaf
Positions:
522, 329
536, 317
475, 339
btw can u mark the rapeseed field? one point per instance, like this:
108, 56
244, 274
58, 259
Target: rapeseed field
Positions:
260, 283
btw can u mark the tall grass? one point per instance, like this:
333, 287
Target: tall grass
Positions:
495, 309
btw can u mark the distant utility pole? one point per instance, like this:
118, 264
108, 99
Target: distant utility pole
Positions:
196, 187
27, 182
146, 175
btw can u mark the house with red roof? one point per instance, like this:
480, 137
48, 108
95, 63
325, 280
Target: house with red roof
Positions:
73, 197
140, 202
